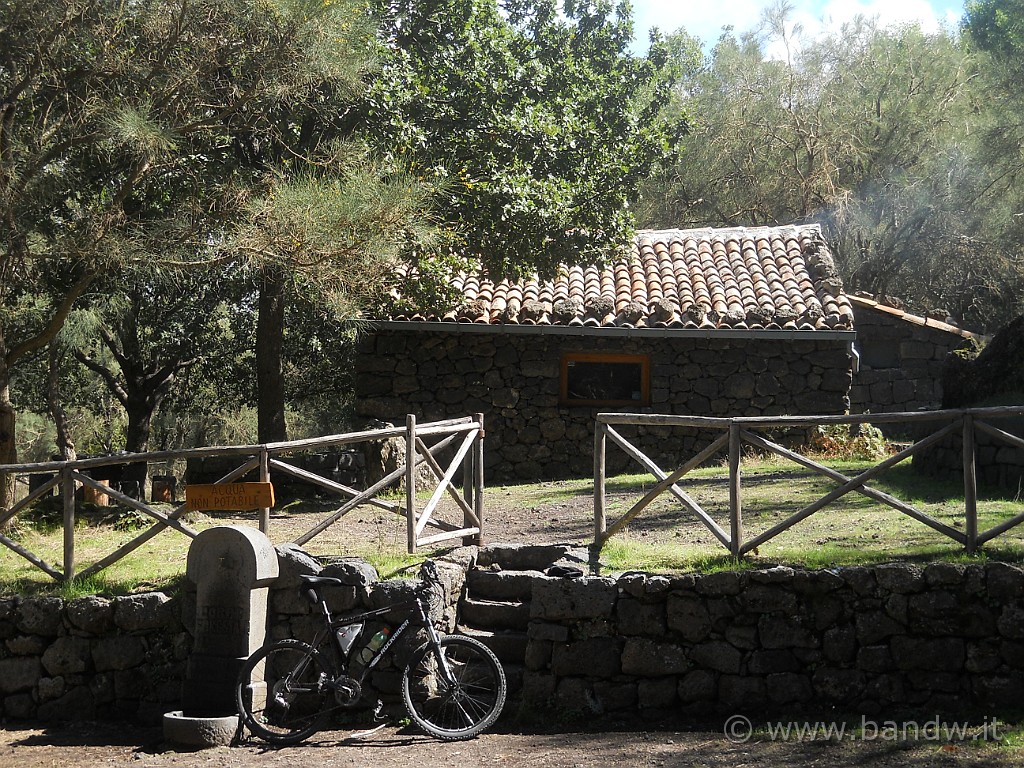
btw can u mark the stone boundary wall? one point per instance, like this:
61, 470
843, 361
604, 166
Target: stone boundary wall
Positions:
91, 657
125, 657
943, 639
513, 379
940, 639
998, 464
902, 358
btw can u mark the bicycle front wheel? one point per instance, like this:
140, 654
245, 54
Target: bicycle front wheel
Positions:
283, 692
457, 694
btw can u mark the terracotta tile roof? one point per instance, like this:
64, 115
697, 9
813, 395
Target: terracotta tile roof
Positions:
741, 278
866, 301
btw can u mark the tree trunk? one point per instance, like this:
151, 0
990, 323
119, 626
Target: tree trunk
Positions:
136, 440
65, 445
8, 448
269, 356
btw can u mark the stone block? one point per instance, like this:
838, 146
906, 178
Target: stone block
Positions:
40, 616
637, 618
785, 632
717, 655
152, 610
657, 692
840, 685
697, 685
740, 693
940, 655
764, 598
118, 652
19, 673
904, 578
688, 617
789, 688
67, 655
644, 657
580, 598
594, 657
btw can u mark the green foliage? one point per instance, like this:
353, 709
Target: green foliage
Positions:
884, 135
536, 125
841, 441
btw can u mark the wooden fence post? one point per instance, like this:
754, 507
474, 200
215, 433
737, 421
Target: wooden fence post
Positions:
970, 485
600, 521
410, 480
735, 495
265, 478
67, 484
476, 460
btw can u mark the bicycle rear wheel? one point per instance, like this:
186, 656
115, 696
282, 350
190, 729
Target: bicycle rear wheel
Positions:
463, 707
283, 691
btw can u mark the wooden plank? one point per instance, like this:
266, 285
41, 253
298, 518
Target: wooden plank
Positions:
1000, 434
970, 486
141, 506
600, 448
691, 506
852, 485
331, 485
228, 496
868, 491
658, 489
998, 530
366, 495
410, 482
458, 533
36, 561
45, 488
735, 491
67, 484
444, 482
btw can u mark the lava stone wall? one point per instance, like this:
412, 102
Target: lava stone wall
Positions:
513, 379
997, 463
902, 360
91, 657
942, 639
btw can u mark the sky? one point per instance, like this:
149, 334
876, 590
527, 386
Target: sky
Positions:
705, 18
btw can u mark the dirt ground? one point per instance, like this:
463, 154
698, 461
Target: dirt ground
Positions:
610, 745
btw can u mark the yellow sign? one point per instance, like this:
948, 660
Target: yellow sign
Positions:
229, 496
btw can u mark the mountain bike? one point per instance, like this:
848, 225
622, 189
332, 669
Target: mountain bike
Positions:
453, 687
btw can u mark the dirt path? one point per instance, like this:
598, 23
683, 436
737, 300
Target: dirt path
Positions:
614, 745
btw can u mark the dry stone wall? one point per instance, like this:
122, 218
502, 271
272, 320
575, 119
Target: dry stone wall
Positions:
513, 379
942, 639
91, 657
934, 640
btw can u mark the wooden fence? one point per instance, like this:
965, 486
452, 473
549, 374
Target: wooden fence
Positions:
737, 432
424, 445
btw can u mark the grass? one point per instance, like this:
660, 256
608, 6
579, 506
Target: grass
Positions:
664, 537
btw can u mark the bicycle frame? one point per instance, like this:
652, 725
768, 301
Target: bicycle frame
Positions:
417, 616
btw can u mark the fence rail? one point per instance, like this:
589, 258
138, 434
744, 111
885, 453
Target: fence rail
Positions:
737, 432
425, 445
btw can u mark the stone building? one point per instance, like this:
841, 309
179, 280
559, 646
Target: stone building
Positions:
901, 357
713, 322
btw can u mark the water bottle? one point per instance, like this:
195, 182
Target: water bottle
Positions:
365, 656
347, 636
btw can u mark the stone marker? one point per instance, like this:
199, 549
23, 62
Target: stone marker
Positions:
231, 567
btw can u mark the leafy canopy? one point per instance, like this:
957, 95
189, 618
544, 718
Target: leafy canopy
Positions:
536, 122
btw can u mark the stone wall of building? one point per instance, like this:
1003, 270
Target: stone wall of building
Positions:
513, 379
901, 358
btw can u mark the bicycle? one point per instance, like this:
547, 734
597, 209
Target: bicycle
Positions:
453, 686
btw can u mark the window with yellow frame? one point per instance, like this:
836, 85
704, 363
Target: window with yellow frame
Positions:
598, 379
